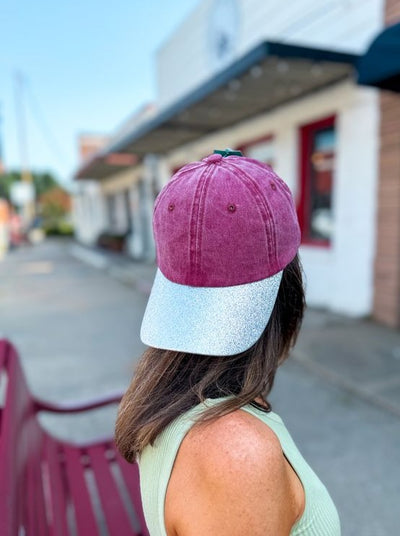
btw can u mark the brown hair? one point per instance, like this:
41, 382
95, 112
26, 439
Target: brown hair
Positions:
166, 384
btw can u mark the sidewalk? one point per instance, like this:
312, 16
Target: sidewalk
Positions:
358, 355
138, 275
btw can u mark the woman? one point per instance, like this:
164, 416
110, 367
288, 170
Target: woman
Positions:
225, 308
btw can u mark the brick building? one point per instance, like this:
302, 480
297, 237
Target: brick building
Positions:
386, 305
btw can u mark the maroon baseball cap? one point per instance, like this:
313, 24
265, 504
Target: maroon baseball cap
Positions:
224, 228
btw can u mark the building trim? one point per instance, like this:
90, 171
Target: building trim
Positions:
380, 65
303, 208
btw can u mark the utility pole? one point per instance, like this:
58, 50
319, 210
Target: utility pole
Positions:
26, 176
2, 168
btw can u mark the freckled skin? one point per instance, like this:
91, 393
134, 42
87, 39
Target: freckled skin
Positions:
230, 478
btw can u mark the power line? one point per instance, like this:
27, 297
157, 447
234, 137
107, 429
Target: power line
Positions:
1, 134
22, 140
43, 125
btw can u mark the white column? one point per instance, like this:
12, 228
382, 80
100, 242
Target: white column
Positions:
135, 241
120, 212
150, 185
89, 212
101, 212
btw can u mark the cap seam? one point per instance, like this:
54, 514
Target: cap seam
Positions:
162, 194
183, 171
200, 219
271, 172
193, 224
259, 193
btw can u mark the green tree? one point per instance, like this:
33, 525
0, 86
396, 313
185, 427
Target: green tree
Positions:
42, 181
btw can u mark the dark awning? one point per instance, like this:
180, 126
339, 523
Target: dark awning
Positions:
104, 164
268, 76
380, 65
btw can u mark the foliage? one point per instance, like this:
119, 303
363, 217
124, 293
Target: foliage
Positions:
58, 228
53, 203
55, 207
52, 211
42, 182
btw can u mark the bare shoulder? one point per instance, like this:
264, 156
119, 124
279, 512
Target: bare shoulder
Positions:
233, 472
231, 440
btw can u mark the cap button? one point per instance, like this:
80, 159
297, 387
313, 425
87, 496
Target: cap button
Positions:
213, 158
228, 152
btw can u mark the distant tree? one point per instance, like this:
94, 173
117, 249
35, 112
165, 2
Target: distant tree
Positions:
42, 181
55, 203
54, 207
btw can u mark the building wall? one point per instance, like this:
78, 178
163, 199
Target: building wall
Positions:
339, 277
88, 144
89, 212
193, 53
138, 184
387, 261
392, 12
120, 181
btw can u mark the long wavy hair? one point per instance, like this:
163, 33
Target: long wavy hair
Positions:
166, 383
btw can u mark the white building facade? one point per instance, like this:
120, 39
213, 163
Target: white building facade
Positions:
317, 128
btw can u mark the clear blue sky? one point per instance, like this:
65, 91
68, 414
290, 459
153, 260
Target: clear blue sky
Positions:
88, 64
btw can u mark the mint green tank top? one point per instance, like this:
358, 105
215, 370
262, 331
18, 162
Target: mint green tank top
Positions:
320, 517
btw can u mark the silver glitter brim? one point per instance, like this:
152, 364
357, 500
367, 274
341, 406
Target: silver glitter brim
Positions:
207, 320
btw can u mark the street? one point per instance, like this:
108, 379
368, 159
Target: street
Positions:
77, 330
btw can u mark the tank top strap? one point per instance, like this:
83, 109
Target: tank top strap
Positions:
156, 462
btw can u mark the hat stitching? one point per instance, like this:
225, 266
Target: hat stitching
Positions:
200, 218
185, 169
253, 186
158, 200
268, 169
178, 175
193, 223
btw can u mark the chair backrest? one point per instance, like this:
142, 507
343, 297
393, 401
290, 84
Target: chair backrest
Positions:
20, 442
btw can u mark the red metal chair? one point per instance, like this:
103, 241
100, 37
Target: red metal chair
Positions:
49, 487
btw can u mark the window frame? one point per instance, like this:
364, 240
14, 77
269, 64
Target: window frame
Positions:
306, 137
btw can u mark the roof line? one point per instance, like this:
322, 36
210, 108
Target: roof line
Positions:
240, 66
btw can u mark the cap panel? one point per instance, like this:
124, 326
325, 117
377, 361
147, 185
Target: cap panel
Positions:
287, 231
286, 225
180, 174
234, 246
172, 222
284, 230
194, 274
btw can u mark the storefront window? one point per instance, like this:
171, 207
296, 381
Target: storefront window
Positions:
262, 150
318, 150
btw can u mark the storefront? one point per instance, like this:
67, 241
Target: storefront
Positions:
294, 106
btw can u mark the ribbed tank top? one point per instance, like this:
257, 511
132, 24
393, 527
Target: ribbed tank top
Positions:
320, 517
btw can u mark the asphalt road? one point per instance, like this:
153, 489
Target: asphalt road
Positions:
77, 330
